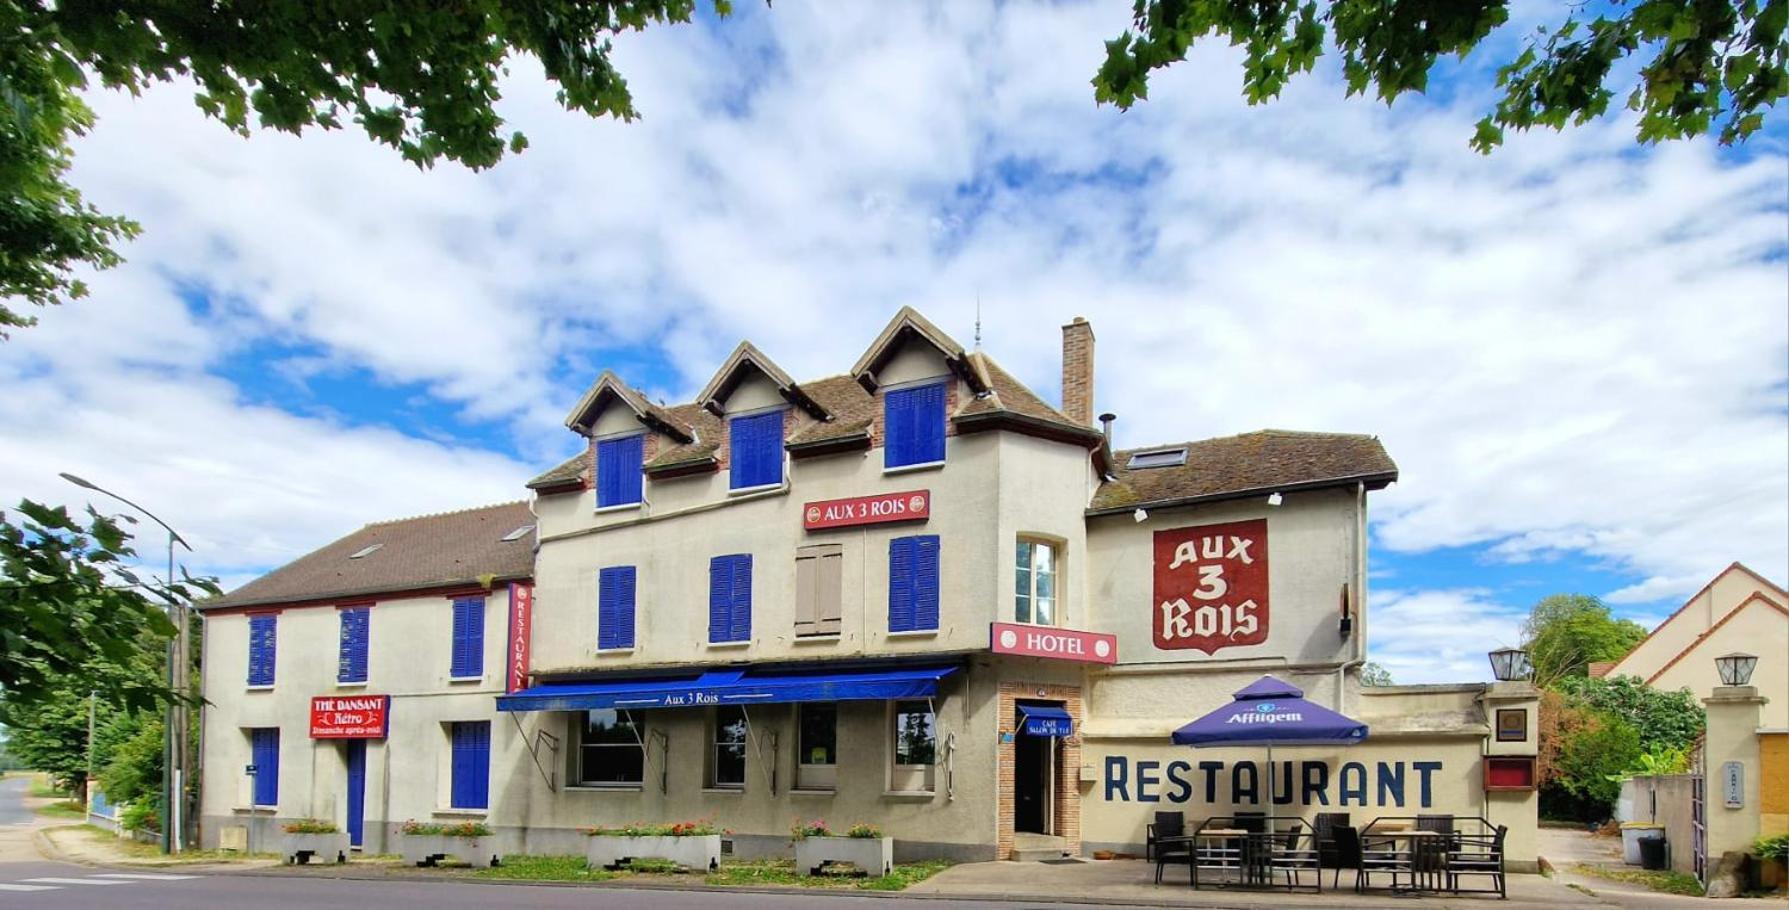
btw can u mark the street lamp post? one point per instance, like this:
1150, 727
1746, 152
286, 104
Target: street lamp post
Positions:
1735, 668
1510, 664
174, 737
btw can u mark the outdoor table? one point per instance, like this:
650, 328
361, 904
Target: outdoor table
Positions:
1426, 860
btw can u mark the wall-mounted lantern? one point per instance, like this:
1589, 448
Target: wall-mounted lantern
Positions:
1508, 664
1736, 668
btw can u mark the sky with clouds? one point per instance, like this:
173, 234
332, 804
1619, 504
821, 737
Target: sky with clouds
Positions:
1576, 349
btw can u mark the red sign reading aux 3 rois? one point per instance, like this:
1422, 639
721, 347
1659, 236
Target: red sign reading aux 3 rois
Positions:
1211, 586
912, 505
350, 716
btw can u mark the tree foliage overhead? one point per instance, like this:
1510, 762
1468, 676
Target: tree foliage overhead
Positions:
1698, 66
417, 75
1565, 633
70, 604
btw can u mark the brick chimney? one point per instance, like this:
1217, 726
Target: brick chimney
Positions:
1077, 371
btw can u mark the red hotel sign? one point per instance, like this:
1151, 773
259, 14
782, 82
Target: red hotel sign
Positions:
521, 634
913, 505
350, 717
1061, 644
1211, 586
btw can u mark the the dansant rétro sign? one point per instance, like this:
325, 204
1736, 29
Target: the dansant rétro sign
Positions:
1211, 586
350, 716
911, 505
1061, 644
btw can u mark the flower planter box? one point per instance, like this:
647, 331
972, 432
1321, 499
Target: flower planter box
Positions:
701, 852
299, 848
874, 855
429, 849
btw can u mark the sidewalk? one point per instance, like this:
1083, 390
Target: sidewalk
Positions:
1131, 883
1568, 848
87, 846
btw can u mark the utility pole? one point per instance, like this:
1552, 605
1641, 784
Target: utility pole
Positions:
87, 787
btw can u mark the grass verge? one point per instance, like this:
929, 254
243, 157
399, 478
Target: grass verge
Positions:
41, 788
1653, 879
782, 872
67, 808
131, 850
546, 869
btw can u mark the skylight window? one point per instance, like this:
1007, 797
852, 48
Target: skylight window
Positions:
364, 552
1159, 458
518, 533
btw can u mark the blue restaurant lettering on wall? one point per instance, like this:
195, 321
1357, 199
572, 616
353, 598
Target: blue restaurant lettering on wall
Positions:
1308, 783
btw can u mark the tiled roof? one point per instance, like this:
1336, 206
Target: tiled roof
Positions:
429, 551
569, 471
1262, 461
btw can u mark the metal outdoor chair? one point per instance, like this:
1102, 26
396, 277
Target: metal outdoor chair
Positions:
1325, 828
1166, 824
1469, 855
1367, 860
1293, 852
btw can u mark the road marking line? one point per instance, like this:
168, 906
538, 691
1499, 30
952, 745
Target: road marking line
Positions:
6, 887
146, 876
68, 881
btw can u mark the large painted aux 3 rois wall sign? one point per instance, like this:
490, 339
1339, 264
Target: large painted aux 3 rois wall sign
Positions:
1211, 586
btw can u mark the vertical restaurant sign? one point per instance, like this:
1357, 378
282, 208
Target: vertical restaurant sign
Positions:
912, 505
1211, 586
350, 716
521, 631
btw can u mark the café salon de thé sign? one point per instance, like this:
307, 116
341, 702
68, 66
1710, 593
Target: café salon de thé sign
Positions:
1211, 586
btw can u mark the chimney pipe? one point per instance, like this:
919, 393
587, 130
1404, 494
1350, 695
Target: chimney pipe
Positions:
1105, 423
1077, 371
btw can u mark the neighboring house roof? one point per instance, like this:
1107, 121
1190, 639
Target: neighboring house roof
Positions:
1262, 462
1757, 598
1781, 595
429, 551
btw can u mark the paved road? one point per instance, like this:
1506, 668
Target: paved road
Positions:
12, 801
66, 887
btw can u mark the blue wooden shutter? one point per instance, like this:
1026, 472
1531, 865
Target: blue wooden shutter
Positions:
615, 607
262, 649
925, 581
756, 450
265, 749
618, 470
471, 765
352, 663
720, 598
901, 558
928, 424
741, 625
913, 425
468, 637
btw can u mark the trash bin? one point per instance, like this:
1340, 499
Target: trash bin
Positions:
1632, 833
1652, 852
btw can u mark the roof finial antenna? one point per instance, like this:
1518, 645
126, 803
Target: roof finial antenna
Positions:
978, 321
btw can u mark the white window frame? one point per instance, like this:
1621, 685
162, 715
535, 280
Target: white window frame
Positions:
1057, 548
714, 750
910, 778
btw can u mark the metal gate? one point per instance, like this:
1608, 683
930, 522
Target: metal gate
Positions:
1699, 812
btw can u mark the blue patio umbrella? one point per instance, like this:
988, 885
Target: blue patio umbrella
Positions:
1271, 712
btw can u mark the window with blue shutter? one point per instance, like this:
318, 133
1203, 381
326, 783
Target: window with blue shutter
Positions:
468, 637
913, 425
471, 787
262, 635
730, 598
615, 607
351, 662
618, 470
755, 450
264, 754
913, 583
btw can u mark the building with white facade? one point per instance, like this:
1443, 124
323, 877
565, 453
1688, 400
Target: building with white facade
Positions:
914, 593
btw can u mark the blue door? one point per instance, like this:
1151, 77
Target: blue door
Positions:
356, 790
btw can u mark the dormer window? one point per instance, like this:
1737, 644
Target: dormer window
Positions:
913, 425
618, 463
756, 450
364, 552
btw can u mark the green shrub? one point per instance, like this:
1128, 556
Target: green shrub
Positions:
1776, 848
142, 815
863, 830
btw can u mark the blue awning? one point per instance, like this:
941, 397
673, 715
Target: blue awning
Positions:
1047, 720
728, 687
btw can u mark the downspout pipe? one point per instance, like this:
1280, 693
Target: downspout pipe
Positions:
1360, 596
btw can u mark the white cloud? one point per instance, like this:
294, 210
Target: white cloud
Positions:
1572, 347
1440, 635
